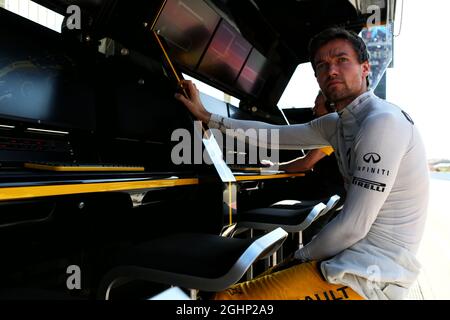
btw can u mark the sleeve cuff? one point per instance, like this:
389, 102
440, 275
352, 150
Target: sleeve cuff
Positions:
217, 122
327, 150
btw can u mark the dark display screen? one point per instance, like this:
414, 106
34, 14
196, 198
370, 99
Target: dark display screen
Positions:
252, 77
201, 41
225, 55
187, 27
42, 81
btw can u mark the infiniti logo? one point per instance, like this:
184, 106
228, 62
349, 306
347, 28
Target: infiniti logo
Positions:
372, 157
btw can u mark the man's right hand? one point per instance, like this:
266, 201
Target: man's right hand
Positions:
193, 102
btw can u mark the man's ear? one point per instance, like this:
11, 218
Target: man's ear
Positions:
365, 69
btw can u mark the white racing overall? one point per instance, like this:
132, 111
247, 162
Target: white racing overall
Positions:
371, 245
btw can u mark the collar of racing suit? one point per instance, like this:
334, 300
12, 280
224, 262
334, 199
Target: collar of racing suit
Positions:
354, 106
355, 110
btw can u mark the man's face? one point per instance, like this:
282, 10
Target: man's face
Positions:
338, 71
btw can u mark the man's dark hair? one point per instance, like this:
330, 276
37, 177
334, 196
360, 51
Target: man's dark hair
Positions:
331, 34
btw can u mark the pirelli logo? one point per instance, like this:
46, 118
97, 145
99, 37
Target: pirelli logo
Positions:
369, 184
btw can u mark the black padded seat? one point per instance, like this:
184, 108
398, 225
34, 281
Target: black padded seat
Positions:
296, 204
196, 254
275, 216
291, 220
193, 261
331, 203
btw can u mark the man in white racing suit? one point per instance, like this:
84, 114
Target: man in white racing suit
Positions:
369, 248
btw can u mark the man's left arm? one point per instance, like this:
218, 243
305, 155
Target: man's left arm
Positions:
378, 151
307, 162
